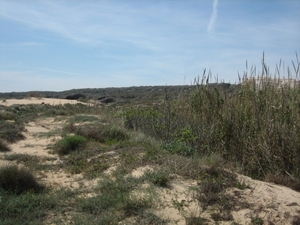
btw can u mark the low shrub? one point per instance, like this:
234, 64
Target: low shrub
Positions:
17, 180
69, 143
4, 146
29, 208
99, 132
11, 131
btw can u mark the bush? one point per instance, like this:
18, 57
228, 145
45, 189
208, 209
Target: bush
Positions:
4, 147
11, 131
69, 143
17, 180
99, 132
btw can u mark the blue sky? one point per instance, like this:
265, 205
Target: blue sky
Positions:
64, 44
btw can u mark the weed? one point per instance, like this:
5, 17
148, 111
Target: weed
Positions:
257, 221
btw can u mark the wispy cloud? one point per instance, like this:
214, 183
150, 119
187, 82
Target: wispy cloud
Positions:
213, 17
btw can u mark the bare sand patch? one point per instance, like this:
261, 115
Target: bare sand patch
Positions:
26, 101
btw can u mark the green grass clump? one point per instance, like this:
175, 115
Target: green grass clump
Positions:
17, 180
69, 143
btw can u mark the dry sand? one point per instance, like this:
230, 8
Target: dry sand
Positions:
50, 101
273, 203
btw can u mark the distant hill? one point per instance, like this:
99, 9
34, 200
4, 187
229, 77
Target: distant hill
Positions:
121, 94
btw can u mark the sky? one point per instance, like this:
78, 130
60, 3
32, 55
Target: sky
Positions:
68, 44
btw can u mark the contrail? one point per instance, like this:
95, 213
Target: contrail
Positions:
213, 17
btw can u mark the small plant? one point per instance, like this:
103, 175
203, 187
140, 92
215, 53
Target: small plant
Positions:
257, 221
69, 143
18, 180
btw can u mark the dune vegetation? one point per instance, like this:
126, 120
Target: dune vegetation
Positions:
207, 135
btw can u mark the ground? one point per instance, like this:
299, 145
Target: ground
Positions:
257, 202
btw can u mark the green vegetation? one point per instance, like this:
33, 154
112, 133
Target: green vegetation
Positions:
69, 143
4, 146
11, 131
160, 177
18, 180
257, 130
198, 132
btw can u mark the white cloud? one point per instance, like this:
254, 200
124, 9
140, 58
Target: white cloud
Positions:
213, 17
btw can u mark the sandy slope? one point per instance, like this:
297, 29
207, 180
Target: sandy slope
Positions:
274, 204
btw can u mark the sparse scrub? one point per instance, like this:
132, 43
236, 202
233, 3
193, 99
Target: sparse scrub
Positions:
212, 185
11, 131
160, 177
69, 143
18, 180
116, 197
99, 132
5, 115
29, 208
30, 161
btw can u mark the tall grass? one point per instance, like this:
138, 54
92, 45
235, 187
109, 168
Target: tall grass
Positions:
256, 129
